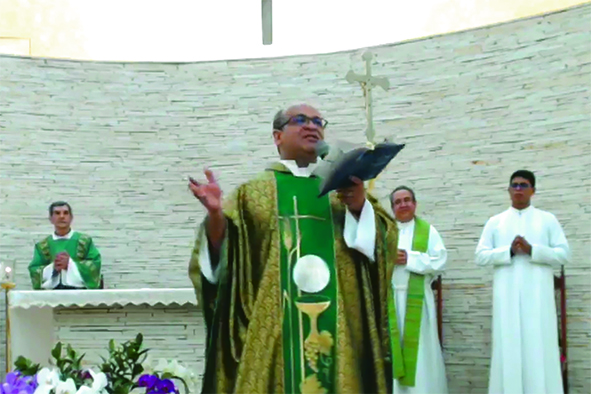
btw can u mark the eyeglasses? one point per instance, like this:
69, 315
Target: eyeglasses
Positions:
521, 185
301, 120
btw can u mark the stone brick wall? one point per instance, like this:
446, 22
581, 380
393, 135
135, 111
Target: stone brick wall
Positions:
117, 141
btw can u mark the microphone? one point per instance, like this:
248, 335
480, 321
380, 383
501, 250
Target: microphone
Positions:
322, 149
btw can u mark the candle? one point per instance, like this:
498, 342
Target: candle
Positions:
8, 274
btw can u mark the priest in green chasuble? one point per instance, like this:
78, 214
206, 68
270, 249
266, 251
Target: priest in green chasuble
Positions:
65, 259
294, 287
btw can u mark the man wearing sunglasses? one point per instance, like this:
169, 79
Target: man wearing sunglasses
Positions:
294, 286
523, 245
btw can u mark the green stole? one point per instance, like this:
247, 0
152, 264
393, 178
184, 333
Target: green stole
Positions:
404, 357
309, 319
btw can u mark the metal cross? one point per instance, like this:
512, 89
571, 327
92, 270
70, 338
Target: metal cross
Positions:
267, 20
367, 82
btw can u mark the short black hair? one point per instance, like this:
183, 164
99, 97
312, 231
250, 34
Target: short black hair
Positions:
59, 204
525, 174
408, 189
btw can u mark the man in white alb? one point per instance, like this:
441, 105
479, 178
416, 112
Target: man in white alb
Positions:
524, 244
421, 257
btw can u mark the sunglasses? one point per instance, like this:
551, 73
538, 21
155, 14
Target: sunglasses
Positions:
301, 120
521, 185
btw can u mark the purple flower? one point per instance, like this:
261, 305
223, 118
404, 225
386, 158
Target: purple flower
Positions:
84, 375
17, 384
166, 386
148, 381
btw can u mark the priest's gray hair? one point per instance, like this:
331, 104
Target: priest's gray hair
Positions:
280, 119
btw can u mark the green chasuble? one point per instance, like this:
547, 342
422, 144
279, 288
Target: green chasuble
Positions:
405, 354
295, 310
82, 252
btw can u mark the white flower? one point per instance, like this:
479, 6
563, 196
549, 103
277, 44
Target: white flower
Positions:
177, 370
147, 364
47, 380
67, 387
162, 366
85, 390
99, 381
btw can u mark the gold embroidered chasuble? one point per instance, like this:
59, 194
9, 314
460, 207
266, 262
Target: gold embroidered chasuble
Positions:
261, 338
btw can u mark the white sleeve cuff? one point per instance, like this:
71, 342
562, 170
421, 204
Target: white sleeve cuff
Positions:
205, 261
49, 282
417, 262
555, 257
361, 235
72, 276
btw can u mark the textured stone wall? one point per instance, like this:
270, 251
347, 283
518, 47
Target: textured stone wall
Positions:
117, 141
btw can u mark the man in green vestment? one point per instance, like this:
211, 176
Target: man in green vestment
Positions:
66, 259
294, 287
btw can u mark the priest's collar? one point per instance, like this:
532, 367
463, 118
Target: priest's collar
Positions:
404, 225
291, 166
67, 236
520, 211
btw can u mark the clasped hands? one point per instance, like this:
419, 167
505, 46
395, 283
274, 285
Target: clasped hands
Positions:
520, 246
61, 261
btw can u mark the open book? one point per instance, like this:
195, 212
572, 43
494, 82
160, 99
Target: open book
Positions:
343, 161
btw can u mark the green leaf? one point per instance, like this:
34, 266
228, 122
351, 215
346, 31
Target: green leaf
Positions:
143, 352
78, 361
137, 370
120, 390
57, 351
70, 352
32, 371
111, 345
142, 359
21, 363
139, 339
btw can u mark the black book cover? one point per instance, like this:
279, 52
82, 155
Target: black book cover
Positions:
363, 163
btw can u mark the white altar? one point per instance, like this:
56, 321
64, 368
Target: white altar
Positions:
169, 319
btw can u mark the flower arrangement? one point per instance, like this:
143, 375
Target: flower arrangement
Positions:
127, 368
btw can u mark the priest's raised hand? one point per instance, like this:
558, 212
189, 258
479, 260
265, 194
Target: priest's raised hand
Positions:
210, 193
